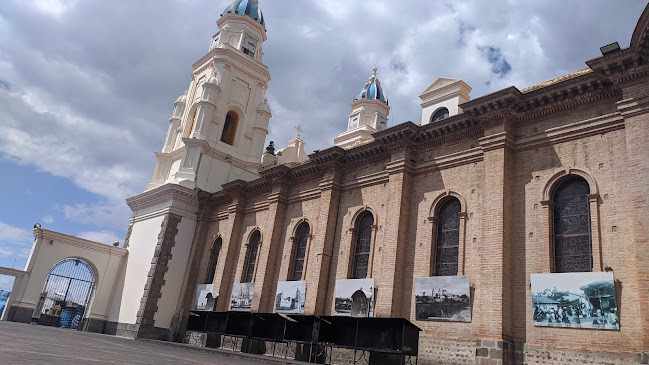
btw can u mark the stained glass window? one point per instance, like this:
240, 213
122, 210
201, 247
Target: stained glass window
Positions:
573, 250
251, 257
299, 251
362, 246
447, 245
214, 260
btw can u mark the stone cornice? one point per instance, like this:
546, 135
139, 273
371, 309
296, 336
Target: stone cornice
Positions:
569, 94
58, 238
228, 52
497, 141
492, 103
167, 192
212, 152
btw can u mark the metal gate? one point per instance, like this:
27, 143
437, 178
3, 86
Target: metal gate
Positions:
68, 290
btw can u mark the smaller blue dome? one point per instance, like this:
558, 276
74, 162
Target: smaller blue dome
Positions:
373, 90
247, 7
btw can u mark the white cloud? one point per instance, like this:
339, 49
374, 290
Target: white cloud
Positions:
106, 237
48, 219
14, 234
54, 8
90, 102
112, 213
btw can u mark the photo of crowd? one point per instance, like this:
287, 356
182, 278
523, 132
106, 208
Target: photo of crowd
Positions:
578, 300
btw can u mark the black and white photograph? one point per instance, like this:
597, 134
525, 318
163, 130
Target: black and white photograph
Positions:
354, 298
242, 294
290, 297
443, 298
577, 300
205, 297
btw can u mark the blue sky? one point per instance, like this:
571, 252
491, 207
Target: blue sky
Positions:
87, 87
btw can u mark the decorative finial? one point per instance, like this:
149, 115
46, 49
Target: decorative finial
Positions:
266, 100
374, 71
271, 148
299, 130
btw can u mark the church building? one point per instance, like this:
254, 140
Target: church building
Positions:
511, 228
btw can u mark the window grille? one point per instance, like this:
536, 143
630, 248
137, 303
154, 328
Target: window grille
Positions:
447, 246
251, 257
299, 251
573, 249
362, 246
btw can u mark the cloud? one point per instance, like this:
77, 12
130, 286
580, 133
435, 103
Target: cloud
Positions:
48, 219
111, 213
14, 234
106, 237
88, 98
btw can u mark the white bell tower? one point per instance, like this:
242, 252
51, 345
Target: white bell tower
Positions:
219, 125
216, 135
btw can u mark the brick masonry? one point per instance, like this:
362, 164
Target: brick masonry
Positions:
155, 280
500, 158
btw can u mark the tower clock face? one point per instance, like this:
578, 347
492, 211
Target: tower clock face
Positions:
353, 121
249, 45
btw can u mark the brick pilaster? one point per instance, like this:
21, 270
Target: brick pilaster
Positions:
227, 266
494, 297
270, 252
636, 117
321, 250
391, 273
155, 278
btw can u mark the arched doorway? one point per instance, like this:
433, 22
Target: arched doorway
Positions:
67, 293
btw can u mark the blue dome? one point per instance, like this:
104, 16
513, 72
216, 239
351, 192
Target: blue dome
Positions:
372, 90
247, 7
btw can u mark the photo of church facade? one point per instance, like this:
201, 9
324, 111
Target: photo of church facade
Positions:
549, 179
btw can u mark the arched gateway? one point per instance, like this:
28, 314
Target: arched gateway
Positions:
67, 293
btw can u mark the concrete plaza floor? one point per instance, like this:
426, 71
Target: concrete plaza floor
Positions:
26, 344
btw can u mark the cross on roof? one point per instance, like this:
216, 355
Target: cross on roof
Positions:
299, 129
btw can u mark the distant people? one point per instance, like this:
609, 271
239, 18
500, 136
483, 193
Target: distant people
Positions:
75, 321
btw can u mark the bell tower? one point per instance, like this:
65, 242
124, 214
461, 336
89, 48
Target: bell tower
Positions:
219, 125
369, 114
216, 135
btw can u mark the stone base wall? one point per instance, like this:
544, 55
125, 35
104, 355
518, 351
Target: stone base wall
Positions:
439, 352
92, 325
128, 330
20, 314
533, 356
436, 352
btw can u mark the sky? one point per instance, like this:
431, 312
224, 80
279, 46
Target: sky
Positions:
87, 86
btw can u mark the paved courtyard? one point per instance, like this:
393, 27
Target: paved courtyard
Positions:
25, 344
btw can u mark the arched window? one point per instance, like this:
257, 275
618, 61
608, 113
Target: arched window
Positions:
299, 251
362, 246
214, 260
439, 115
251, 257
573, 249
230, 128
447, 239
